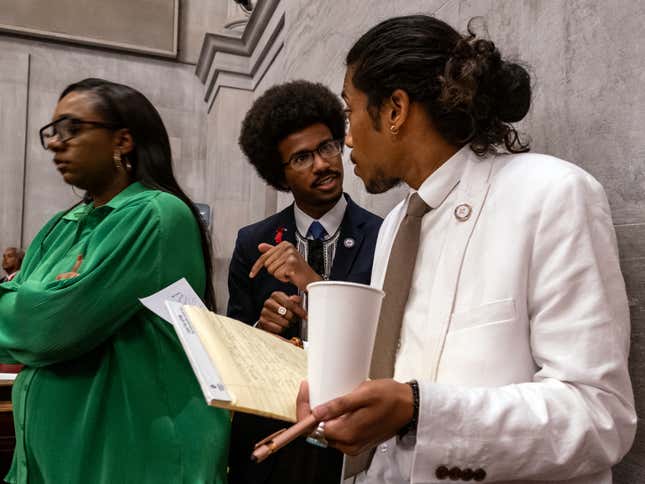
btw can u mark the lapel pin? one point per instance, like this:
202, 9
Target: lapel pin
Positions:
463, 211
349, 242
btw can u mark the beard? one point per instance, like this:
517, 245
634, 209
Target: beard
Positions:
380, 183
381, 186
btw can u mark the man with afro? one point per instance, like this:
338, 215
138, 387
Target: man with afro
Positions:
293, 135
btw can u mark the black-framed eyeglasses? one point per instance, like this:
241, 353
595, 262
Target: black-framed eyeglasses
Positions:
67, 128
304, 159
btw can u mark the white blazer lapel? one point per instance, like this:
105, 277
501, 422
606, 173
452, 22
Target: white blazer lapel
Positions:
471, 194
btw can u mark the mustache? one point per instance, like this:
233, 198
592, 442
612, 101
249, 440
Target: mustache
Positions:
325, 175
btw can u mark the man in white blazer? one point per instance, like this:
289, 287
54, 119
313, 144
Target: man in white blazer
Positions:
510, 364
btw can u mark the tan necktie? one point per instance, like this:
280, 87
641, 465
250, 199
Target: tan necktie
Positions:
398, 278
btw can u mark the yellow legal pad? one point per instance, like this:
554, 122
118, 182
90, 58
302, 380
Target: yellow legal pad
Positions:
239, 367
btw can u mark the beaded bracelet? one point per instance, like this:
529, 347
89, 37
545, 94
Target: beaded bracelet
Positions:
412, 424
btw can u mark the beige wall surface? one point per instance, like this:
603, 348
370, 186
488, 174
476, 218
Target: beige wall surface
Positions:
14, 74
196, 17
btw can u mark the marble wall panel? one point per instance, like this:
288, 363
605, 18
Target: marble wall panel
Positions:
588, 71
230, 173
629, 471
14, 79
232, 187
631, 245
227, 219
196, 17
274, 75
187, 131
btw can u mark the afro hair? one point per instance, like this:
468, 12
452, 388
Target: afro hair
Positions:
282, 110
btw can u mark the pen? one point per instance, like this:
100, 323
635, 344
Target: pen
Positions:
273, 442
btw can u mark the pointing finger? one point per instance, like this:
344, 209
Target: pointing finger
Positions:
265, 249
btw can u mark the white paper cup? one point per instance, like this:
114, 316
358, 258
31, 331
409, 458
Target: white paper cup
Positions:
342, 321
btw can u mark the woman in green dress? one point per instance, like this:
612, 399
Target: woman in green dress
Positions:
107, 394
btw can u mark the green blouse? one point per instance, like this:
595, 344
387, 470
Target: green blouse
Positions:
107, 395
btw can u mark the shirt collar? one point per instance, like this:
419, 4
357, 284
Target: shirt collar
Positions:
331, 220
436, 188
123, 196
83, 209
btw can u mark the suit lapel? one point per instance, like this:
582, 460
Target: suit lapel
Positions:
472, 191
349, 242
284, 224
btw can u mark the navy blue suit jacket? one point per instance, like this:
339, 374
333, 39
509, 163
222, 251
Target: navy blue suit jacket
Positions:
353, 264
299, 462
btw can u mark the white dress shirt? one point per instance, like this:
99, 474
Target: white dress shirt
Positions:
437, 191
331, 220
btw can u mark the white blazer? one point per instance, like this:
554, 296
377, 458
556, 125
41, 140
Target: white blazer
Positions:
525, 374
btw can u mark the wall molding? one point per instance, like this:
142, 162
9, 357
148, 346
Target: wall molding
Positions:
241, 61
35, 21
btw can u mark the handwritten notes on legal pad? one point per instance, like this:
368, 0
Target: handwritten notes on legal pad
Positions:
258, 372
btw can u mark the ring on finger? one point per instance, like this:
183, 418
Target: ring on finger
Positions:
281, 310
317, 437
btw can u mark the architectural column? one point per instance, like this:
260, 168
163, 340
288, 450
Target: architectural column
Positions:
14, 87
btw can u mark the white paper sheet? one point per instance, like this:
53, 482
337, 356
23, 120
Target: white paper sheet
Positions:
180, 292
8, 376
207, 375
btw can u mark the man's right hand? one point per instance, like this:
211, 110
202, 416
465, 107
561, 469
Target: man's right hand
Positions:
286, 264
270, 318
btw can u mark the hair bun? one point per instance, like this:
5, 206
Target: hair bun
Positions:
513, 93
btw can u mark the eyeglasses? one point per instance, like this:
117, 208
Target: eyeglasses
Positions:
304, 159
67, 128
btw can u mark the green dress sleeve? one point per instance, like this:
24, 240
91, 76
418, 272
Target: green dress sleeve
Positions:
30, 260
132, 252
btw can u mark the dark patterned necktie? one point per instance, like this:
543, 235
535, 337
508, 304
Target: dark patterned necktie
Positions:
315, 250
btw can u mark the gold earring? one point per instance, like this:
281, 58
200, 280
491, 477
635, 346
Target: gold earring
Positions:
117, 160
394, 130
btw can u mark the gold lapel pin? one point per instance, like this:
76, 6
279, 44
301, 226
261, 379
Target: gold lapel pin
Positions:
463, 211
